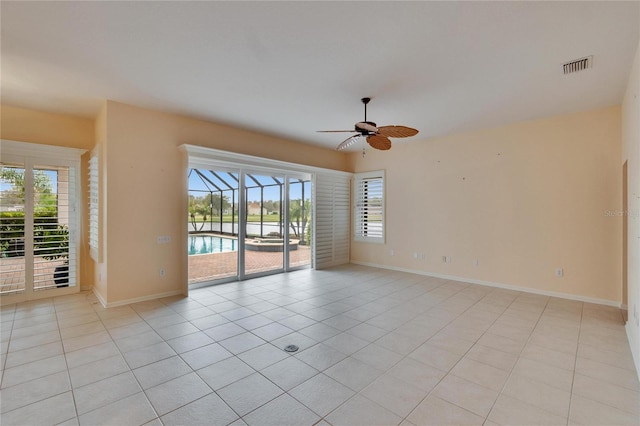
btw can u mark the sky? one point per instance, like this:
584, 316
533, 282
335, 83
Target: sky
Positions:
271, 192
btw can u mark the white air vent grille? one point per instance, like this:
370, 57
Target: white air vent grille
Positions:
578, 65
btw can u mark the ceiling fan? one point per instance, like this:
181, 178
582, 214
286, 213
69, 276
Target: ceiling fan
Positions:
376, 137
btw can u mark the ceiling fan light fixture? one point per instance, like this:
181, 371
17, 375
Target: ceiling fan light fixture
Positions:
348, 142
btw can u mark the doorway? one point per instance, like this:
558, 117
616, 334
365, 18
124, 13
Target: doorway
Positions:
39, 221
246, 223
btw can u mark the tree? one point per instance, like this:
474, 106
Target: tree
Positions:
45, 211
44, 198
217, 202
300, 212
15, 176
196, 206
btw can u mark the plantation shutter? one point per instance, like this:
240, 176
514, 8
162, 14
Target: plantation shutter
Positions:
12, 228
94, 205
368, 204
331, 220
39, 220
54, 226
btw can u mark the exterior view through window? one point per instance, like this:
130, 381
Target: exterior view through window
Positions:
368, 217
270, 231
36, 225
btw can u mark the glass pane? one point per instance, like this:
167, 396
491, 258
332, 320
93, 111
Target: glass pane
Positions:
299, 223
213, 225
53, 256
12, 259
264, 227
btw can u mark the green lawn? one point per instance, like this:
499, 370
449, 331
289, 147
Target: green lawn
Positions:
251, 218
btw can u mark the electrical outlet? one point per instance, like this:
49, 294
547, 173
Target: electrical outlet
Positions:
415, 255
163, 239
423, 256
559, 272
475, 262
162, 272
444, 259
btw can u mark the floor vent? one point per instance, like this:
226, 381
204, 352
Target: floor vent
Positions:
578, 65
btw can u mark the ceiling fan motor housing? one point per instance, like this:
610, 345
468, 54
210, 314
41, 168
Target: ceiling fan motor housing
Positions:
366, 128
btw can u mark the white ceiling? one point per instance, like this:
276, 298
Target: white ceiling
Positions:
291, 68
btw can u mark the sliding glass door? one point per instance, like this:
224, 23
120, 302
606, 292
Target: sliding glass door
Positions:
38, 226
299, 223
213, 225
246, 223
264, 227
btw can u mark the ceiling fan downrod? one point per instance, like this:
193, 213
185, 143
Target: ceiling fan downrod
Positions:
365, 127
365, 101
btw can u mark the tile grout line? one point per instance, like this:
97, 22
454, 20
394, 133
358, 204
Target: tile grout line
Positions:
6, 354
462, 357
575, 364
406, 356
329, 297
64, 354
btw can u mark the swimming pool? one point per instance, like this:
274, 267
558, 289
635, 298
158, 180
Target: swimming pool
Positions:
205, 244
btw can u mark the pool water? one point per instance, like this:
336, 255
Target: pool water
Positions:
205, 244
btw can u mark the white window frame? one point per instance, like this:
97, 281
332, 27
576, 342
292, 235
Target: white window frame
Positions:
31, 154
330, 204
360, 225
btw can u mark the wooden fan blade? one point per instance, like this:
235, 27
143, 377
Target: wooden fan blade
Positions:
379, 142
348, 142
396, 131
335, 131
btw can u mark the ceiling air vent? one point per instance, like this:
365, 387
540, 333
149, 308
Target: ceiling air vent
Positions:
578, 65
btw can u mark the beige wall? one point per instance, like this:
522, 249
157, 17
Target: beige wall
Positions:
631, 155
143, 178
146, 192
25, 125
522, 199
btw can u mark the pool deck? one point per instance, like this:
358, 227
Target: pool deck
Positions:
206, 267
202, 267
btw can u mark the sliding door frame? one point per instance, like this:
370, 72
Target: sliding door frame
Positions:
30, 155
334, 253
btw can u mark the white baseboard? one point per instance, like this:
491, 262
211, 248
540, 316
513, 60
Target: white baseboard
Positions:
135, 299
99, 297
497, 285
634, 353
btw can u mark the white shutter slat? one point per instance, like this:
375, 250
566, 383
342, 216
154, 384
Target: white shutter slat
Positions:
332, 220
94, 200
368, 210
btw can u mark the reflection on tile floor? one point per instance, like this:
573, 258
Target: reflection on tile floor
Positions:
377, 347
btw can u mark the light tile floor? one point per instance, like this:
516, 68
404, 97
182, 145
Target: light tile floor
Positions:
376, 348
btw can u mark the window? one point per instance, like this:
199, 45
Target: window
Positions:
39, 221
368, 219
94, 204
327, 228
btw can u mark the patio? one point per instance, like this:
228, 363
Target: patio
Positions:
12, 278
206, 267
